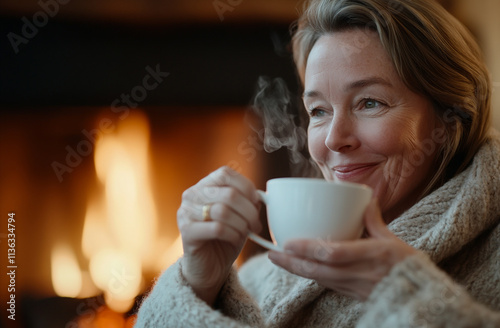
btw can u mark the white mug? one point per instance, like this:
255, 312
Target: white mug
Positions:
307, 208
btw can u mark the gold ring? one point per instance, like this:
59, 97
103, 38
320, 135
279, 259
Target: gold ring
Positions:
206, 212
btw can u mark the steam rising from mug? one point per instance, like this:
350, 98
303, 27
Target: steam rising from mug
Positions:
273, 103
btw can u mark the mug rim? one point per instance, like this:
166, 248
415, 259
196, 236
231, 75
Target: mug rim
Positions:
320, 180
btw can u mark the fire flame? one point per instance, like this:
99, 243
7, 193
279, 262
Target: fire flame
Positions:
119, 236
66, 274
120, 229
120, 239
121, 163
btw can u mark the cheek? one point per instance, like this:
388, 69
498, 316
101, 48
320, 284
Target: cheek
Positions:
381, 137
316, 143
393, 136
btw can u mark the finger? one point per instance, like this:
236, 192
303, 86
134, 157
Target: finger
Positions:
225, 176
374, 223
193, 213
233, 199
229, 204
236, 200
227, 214
230, 188
197, 232
311, 269
336, 253
187, 213
333, 276
295, 265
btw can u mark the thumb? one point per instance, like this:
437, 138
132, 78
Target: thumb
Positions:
374, 223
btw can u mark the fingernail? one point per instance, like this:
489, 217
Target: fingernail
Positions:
290, 248
256, 198
273, 256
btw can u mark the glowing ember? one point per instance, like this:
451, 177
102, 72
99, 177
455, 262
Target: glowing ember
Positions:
106, 318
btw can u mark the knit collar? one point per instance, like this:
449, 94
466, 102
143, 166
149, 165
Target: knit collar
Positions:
439, 225
457, 212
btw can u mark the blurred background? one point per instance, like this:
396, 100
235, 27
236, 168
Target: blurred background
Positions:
109, 110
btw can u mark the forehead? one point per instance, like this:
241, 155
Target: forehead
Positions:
347, 55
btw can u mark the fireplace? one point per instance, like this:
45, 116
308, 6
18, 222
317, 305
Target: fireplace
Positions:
95, 197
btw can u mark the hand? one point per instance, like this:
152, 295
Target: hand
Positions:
211, 247
349, 267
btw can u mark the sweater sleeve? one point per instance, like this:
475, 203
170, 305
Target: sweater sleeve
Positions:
172, 303
417, 294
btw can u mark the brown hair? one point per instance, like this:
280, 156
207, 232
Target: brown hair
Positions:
433, 54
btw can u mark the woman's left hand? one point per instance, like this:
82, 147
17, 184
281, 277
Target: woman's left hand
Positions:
350, 267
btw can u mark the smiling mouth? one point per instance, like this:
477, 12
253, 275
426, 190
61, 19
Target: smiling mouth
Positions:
350, 172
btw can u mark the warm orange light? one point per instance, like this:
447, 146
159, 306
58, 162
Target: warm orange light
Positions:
130, 321
89, 289
66, 274
118, 305
122, 166
119, 235
95, 231
117, 273
109, 319
171, 254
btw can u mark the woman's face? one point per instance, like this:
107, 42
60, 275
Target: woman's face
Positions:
365, 125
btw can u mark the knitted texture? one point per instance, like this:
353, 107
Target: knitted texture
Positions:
453, 282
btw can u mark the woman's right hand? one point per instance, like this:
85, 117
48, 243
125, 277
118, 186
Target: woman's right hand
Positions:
211, 247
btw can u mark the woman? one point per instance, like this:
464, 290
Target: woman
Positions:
398, 99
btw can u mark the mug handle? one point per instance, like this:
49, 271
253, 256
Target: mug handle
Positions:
258, 239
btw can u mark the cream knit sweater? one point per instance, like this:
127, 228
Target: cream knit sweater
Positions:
455, 284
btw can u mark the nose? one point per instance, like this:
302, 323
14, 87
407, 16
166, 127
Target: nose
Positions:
342, 136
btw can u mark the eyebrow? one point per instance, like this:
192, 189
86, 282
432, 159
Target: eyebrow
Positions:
354, 85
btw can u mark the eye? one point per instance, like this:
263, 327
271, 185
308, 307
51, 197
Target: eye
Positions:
371, 103
316, 112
